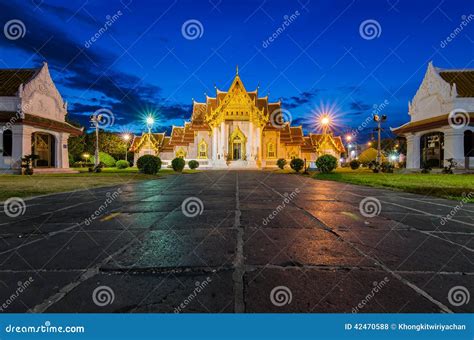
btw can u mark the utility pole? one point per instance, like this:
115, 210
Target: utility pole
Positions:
379, 120
95, 119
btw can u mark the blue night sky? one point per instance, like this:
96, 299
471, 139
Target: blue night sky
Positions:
143, 63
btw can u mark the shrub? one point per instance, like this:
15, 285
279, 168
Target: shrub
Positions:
178, 164
425, 168
121, 164
107, 159
387, 167
145, 159
193, 164
297, 164
326, 163
281, 162
355, 164
149, 164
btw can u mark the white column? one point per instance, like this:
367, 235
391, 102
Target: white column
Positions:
62, 154
250, 143
259, 143
221, 144
454, 147
214, 143
413, 151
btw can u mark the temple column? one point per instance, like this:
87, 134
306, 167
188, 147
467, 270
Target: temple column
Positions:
413, 151
259, 143
221, 144
250, 143
454, 147
214, 143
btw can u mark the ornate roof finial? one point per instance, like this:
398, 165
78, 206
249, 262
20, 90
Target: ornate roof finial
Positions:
237, 70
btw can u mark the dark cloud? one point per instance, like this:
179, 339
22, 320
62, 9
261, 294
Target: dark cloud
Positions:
297, 101
67, 14
358, 105
87, 69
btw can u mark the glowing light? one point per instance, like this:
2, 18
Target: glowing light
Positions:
325, 117
348, 138
86, 156
369, 143
393, 157
150, 120
126, 137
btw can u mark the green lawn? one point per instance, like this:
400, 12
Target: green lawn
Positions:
28, 186
446, 186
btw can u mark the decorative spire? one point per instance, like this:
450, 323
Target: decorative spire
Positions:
237, 70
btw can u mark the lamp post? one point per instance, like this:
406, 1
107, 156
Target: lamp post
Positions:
379, 120
325, 121
126, 137
95, 120
149, 123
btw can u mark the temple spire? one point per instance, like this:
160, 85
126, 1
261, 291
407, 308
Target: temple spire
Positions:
237, 70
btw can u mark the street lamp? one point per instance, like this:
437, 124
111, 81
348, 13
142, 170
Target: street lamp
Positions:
348, 138
126, 137
96, 119
325, 121
86, 156
149, 123
379, 120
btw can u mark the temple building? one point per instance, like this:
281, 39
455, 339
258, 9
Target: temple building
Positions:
33, 121
441, 122
236, 129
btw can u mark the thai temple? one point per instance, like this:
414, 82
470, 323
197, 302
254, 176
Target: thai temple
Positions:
236, 129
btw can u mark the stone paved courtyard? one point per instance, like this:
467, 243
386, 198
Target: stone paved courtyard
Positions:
260, 242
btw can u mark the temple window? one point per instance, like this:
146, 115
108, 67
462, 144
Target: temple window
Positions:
202, 150
270, 150
180, 153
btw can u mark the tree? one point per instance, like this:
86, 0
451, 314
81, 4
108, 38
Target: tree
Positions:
326, 163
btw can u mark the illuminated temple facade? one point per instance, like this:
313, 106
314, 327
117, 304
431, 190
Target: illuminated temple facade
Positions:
236, 129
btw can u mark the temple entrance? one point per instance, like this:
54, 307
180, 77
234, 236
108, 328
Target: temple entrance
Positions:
237, 149
237, 142
43, 145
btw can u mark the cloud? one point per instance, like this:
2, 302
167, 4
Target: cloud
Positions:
358, 105
302, 99
87, 70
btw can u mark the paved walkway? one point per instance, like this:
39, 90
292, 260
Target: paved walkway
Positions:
241, 242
